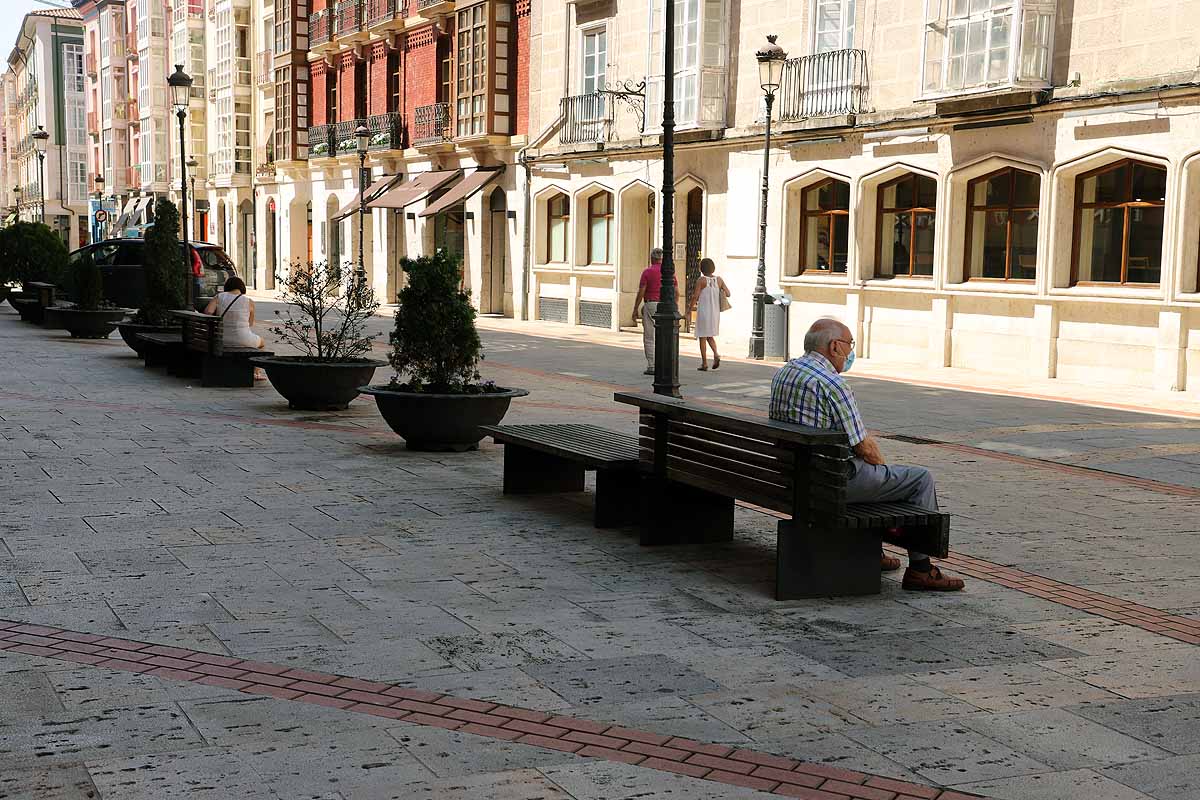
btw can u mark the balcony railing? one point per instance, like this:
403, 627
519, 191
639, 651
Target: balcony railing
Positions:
264, 160
264, 67
320, 31
589, 118
387, 132
379, 11
824, 85
344, 140
131, 47
426, 5
431, 124
349, 17
320, 141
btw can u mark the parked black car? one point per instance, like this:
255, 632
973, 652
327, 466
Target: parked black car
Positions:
120, 262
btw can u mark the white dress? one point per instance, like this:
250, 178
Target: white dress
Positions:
708, 309
236, 321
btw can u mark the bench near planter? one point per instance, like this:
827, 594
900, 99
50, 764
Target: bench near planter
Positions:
219, 365
131, 332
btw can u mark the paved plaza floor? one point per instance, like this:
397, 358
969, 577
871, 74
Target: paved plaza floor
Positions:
206, 595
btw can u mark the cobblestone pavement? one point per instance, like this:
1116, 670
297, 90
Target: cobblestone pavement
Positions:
300, 550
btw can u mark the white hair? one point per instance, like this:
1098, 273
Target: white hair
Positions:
822, 333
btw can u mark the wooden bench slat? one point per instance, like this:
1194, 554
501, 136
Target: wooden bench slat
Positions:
584, 440
742, 443
733, 422
678, 449
732, 484
720, 486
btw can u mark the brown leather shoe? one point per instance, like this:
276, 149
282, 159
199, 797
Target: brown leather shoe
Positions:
888, 563
932, 581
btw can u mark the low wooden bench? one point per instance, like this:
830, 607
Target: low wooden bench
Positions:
219, 365
35, 298
697, 460
167, 350
553, 458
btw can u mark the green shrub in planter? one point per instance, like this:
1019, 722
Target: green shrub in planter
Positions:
31, 253
163, 263
88, 284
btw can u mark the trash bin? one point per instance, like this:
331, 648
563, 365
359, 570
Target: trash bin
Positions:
775, 326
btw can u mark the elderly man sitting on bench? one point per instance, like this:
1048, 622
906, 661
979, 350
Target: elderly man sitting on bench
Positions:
810, 391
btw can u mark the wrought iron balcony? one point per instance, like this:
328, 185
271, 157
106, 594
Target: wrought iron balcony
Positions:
264, 68
320, 141
431, 124
320, 28
387, 132
380, 11
349, 17
824, 85
344, 140
589, 118
435, 8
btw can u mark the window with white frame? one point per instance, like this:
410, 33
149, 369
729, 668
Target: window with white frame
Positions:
73, 67
595, 59
701, 64
833, 25
975, 45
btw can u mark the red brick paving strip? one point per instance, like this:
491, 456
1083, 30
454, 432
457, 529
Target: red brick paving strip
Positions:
708, 761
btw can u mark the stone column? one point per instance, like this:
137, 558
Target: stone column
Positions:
1169, 351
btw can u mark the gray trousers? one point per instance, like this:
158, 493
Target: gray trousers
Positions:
892, 483
648, 309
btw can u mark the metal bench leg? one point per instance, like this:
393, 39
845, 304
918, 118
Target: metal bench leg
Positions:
530, 472
617, 498
230, 372
673, 513
184, 364
818, 562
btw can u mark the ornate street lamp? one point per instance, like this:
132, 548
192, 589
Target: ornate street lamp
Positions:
41, 140
770, 73
98, 182
666, 316
363, 135
181, 91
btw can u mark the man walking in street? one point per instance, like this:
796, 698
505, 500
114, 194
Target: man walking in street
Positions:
811, 391
649, 291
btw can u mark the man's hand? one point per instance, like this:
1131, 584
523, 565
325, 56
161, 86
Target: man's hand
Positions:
868, 450
636, 315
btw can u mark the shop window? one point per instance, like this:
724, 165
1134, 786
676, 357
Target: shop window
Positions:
824, 227
1119, 222
904, 235
1002, 225
600, 228
558, 222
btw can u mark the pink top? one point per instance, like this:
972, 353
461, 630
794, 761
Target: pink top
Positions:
651, 284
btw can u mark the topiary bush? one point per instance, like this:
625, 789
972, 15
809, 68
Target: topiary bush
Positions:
326, 310
434, 342
31, 253
88, 284
163, 265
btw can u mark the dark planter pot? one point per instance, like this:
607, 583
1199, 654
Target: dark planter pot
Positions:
29, 309
96, 324
130, 330
52, 318
317, 385
441, 422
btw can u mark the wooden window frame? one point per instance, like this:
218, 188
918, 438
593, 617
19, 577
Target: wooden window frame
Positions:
912, 212
608, 218
550, 218
1010, 208
1126, 207
833, 214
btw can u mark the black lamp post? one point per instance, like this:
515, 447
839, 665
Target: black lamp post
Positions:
770, 73
666, 316
17, 201
98, 181
181, 90
41, 140
363, 135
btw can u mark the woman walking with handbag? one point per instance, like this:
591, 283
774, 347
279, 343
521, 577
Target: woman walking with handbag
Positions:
710, 298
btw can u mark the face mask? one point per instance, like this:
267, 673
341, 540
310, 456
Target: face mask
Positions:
849, 362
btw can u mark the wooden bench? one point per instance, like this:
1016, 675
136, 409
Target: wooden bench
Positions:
35, 298
553, 458
167, 350
219, 365
697, 460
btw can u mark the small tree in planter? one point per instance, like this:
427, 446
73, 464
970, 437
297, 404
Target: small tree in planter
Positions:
30, 253
91, 317
162, 265
325, 319
436, 400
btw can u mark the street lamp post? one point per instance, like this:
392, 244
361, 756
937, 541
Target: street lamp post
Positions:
666, 316
98, 181
41, 140
363, 135
181, 90
770, 73
17, 201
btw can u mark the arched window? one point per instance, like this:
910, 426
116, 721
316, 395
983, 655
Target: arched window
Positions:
907, 208
824, 227
1119, 214
558, 222
1002, 225
600, 228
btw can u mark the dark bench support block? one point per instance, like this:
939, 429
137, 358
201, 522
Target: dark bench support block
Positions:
817, 562
231, 370
617, 498
674, 513
529, 471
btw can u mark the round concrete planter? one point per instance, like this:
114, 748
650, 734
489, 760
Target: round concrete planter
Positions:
317, 385
96, 324
130, 330
441, 422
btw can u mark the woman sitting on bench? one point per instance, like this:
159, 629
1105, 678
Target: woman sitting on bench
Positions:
237, 318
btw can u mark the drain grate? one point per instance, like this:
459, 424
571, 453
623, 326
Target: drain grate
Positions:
900, 437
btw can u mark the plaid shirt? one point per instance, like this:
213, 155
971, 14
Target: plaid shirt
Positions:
809, 391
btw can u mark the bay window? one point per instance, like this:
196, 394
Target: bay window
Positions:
976, 45
701, 64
